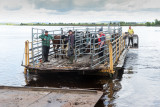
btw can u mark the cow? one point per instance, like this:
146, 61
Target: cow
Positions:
58, 43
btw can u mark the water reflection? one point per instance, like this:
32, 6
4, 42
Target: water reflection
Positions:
110, 90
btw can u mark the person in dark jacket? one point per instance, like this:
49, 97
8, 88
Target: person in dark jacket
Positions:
45, 45
71, 41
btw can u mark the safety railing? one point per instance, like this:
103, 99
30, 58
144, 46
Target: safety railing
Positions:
86, 43
108, 52
36, 44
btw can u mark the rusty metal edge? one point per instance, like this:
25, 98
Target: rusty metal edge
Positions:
47, 89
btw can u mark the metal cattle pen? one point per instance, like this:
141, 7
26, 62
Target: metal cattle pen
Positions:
86, 47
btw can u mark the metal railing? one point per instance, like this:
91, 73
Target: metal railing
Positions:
86, 43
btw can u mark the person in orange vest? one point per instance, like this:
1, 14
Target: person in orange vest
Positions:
101, 43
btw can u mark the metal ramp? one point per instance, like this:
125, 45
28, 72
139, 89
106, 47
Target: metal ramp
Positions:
47, 97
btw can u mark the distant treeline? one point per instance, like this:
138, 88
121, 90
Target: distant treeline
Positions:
65, 24
155, 23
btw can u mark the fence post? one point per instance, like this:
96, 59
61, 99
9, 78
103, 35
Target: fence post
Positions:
116, 51
27, 52
93, 51
33, 48
111, 57
124, 41
75, 37
31, 52
119, 46
26, 55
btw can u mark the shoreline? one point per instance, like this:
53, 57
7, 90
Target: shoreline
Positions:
78, 25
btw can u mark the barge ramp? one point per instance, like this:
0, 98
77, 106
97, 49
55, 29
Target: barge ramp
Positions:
47, 97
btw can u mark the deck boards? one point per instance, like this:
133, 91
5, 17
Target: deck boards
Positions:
63, 64
82, 64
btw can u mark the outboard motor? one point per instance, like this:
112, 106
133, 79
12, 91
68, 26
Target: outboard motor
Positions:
135, 41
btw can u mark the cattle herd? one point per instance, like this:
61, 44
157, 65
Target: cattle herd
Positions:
84, 43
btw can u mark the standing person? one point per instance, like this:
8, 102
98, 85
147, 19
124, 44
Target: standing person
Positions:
45, 45
71, 41
101, 43
131, 32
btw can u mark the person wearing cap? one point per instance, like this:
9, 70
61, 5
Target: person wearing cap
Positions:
101, 43
45, 45
71, 41
131, 32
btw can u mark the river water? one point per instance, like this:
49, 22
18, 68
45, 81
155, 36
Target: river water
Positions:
138, 85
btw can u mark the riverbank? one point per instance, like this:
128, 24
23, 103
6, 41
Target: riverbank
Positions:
122, 23
80, 25
74, 25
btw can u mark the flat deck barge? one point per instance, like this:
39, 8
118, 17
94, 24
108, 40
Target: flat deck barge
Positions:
86, 51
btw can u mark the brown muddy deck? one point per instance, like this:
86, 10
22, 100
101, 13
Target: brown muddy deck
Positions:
47, 97
82, 64
59, 64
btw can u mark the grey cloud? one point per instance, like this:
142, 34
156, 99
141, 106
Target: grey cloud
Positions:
139, 10
67, 5
119, 1
92, 5
59, 5
64, 6
10, 8
151, 9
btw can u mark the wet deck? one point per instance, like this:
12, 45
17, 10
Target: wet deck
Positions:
82, 64
47, 97
59, 64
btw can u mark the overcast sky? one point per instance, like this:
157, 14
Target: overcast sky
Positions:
78, 10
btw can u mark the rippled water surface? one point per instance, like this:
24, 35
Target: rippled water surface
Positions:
138, 85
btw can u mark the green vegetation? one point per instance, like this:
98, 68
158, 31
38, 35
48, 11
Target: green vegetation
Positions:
131, 24
122, 23
63, 24
155, 23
